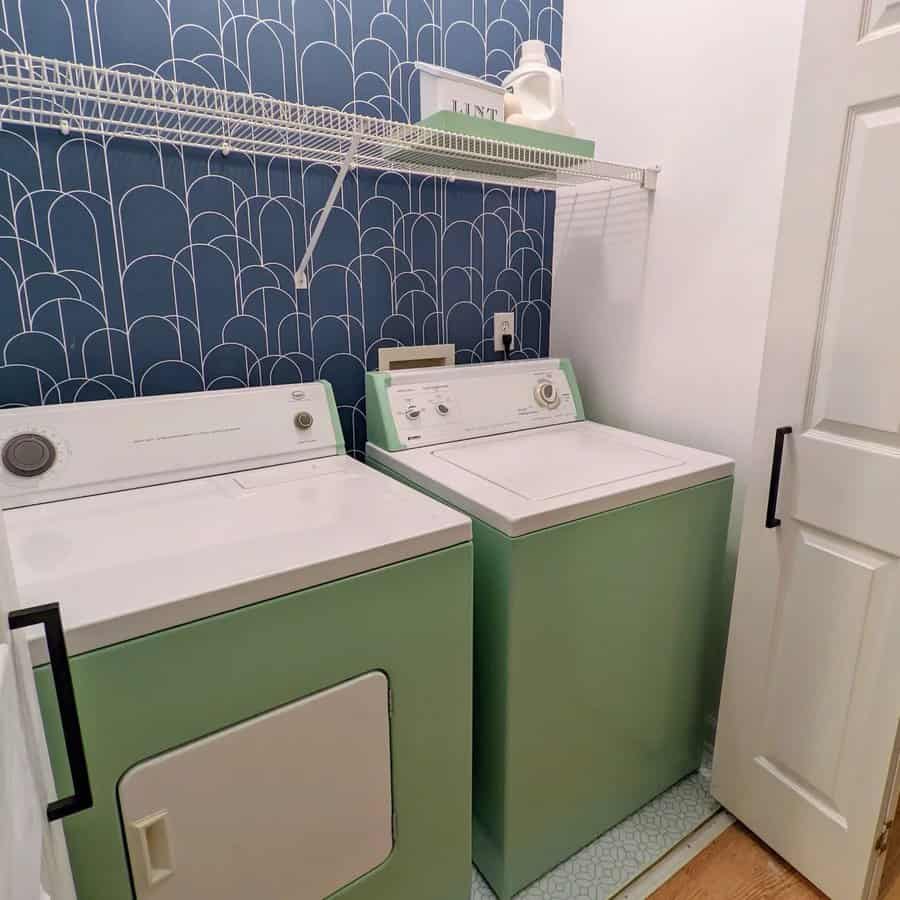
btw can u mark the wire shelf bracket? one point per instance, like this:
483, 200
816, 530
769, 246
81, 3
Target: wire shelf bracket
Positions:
301, 281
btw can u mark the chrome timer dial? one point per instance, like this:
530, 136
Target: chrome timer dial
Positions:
546, 394
28, 454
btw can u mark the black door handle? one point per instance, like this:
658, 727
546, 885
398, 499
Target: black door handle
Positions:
772, 521
48, 616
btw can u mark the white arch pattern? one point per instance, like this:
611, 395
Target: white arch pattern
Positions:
128, 268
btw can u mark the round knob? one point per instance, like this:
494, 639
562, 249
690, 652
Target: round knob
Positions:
413, 413
443, 409
546, 394
28, 455
303, 420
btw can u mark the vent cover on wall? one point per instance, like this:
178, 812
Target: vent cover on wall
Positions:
392, 358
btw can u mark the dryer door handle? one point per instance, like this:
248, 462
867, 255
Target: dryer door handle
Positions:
48, 616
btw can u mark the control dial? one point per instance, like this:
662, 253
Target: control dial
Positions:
546, 394
413, 413
303, 420
28, 454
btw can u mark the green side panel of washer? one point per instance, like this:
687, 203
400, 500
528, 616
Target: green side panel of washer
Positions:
380, 424
591, 675
594, 649
413, 620
335, 417
566, 366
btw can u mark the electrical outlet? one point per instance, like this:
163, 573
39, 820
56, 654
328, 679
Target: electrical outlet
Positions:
504, 323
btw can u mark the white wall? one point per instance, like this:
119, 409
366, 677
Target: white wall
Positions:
662, 303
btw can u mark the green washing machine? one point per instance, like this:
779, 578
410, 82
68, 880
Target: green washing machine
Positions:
270, 646
598, 587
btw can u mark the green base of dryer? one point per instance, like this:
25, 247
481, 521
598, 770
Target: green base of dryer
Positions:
142, 697
594, 649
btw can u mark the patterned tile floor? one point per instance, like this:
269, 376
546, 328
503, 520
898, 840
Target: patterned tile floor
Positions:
624, 852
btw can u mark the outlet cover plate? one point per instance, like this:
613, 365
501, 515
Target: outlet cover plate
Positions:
504, 323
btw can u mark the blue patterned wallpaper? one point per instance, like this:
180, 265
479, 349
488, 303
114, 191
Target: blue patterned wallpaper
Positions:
133, 268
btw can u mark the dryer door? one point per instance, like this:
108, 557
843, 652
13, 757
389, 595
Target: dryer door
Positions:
294, 803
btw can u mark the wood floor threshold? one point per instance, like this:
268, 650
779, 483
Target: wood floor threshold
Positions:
722, 860
677, 858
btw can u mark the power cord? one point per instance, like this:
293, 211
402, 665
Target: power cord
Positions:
507, 345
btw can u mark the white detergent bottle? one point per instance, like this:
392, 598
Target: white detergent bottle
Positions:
536, 93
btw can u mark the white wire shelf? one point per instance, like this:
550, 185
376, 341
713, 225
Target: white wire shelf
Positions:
72, 97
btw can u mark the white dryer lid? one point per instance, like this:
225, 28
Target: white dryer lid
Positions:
134, 562
523, 482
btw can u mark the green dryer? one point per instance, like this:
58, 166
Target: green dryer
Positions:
270, 646
598, 597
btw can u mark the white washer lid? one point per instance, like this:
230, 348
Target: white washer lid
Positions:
544, 464
131, 563
520, 483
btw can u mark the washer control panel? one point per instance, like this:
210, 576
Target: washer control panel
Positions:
77, 449
547, 394
449, 404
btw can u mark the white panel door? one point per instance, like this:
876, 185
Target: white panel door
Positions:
808, 728
34, 862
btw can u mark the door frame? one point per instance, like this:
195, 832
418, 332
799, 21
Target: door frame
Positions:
888, 813
56, 870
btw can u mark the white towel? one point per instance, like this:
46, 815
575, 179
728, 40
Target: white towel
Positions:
21, 822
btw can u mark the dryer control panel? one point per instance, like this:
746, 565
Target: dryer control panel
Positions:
78, 449
422, 407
